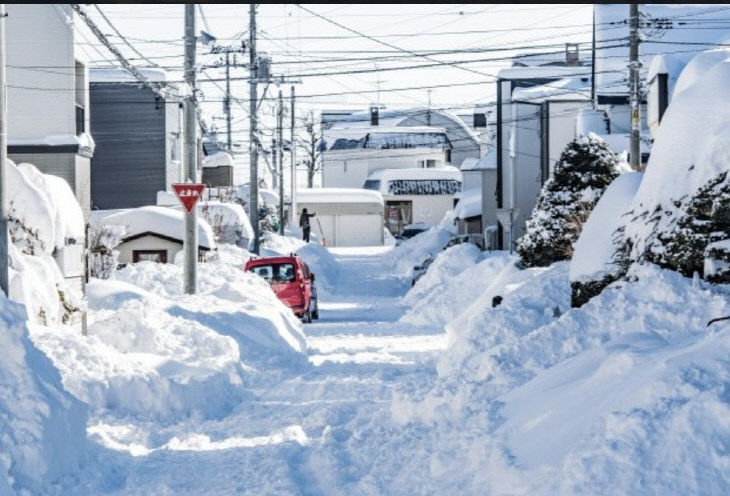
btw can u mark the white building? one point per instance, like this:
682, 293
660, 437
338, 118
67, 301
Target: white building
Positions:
416, 194
48, 117
344, 216
353, 154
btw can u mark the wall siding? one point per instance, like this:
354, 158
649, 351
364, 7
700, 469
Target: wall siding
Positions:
129, 165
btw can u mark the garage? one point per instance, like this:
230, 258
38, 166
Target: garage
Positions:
345, 216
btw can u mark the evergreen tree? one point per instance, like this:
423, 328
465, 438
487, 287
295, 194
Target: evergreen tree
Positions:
585, 169
704, 219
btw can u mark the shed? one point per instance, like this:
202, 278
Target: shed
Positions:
347, 216
155, 234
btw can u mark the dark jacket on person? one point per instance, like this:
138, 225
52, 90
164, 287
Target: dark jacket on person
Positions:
304, 220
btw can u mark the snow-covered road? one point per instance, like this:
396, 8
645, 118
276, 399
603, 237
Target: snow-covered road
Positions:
294, 431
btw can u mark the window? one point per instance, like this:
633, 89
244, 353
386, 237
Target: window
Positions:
373, 184
480, 120
80, 121
275, 272
398, 214
663, 94
159, 256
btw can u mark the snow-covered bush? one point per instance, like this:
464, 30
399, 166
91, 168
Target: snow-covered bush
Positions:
585, 169
103, 238
704, 219
600, 255
683, 204
717, 262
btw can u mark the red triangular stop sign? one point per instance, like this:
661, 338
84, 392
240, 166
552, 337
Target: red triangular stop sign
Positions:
188, 194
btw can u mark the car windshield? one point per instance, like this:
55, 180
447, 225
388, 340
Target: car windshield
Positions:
409, 233
283, 272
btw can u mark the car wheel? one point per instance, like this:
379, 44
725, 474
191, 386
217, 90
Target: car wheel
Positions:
315, 314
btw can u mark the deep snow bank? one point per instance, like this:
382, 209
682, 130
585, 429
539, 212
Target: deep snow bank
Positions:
42, 427
417, 249
442, 298
689, 151
625, 395
154, 351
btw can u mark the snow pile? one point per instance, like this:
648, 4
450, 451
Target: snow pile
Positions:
43, 216
322, 264
218, 159
153, 351
594, 252
417, 249
273, 245
42, 428
534, 399
228, 221
450, 295
447, 264
159, 220
686, 170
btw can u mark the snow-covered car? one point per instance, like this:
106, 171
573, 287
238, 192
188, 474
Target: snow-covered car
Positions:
420, 270
292, 282
411, 230
473, 238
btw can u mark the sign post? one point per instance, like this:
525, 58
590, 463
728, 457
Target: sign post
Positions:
189, 194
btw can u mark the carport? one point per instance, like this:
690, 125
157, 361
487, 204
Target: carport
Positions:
345, 216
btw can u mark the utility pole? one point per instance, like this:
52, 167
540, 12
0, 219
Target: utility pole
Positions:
4, 276
228, 102
635, 83
280, 139
253, 193
190, 153
274, 156
429, 107
293, 155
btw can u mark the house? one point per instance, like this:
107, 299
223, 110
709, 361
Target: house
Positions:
415, 194
537, 108
464, 140
353, 154
345, 216
48, 109
138, 145
154, 233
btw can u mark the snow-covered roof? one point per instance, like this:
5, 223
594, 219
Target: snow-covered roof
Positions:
338, 195
469, 163
218, 159
445, 172
488, 161
115, 75
392, 118
469, 205
573, 88
556, 72
164, 221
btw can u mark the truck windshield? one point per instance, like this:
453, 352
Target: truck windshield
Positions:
283, 272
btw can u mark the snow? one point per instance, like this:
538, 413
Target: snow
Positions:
469, 163
338, 195
575, 88
159, 220
228, 221
469, 205
689, 149
218, 159
594, 249
417, 249
41, 426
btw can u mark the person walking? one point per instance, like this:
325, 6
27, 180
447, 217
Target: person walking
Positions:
304, 224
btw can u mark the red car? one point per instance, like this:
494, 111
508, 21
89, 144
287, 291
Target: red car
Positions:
292, 281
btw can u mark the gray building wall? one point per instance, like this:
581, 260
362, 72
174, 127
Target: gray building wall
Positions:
130, 162
218, 176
